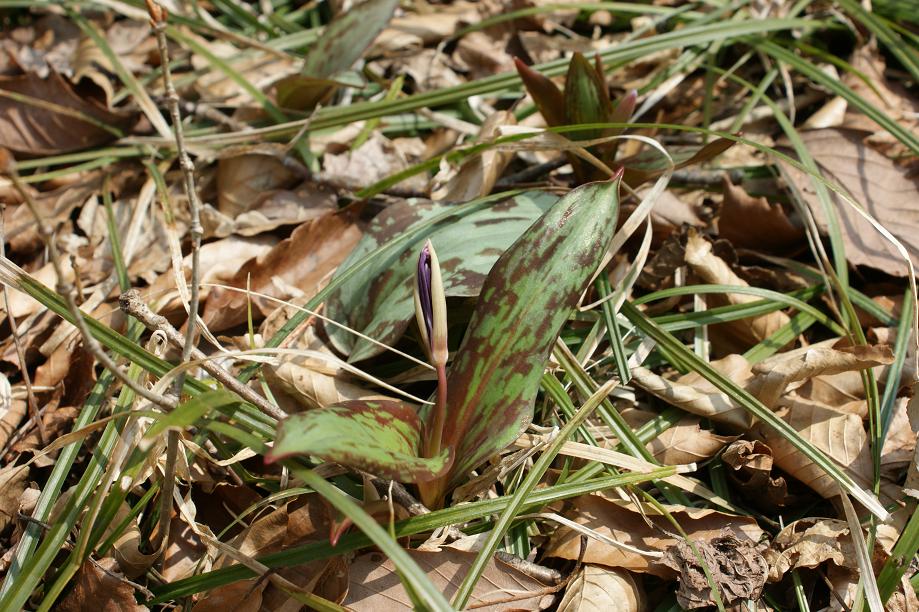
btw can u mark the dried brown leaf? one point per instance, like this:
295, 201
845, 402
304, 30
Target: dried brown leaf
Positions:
687, 442
646, 530
734, 335
243, 180
375, 585
753, 223
97, 588
602, 589
877, 184
26, 127
13, 481
736, 566
302, 262
809, 543
841, 436
476, 176
750, 466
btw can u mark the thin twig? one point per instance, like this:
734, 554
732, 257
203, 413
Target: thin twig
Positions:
158, 22
67, 290
20, 353
132, 304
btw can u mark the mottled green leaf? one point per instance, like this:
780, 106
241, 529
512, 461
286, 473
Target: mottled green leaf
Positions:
381, 437
649, 164
586, 97
528, 296
346, 38
378, 302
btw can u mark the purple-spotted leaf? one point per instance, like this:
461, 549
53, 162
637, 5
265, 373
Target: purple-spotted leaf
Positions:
379, 300
526, 299
649, 164
546, 94
345, 39
381, 437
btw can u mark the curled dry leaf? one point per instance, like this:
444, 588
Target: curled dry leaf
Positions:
736, 566
643, 529
29, 126
13, 481
876, 183
302, 261
712, 269
315, 383
97, 586
602, 589
780, 373
751, 464
270, 211
811, 542
753, 223
696, 395
687, 442
375, 160
375, 585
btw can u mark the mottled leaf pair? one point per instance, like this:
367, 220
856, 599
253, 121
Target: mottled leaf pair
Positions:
585, 100
494, 377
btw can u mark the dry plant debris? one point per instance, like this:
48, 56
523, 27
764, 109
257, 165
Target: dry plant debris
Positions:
498, 304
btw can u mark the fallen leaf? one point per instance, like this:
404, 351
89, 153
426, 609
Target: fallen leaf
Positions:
841, 436
243, 180
477, 176
753, 223
750, 466
375, 585
686, 442
314, 384
376, 159
98, 588
737, 568
877, 184
645, 529
13, 481
885, 94
28, 127
602, 589
271, 210
735, 336
302, 261
809, 543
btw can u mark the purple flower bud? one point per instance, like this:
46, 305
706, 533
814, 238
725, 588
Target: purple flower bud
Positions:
423, 280
431, 305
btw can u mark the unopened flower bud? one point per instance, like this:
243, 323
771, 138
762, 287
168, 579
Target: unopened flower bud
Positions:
431, 305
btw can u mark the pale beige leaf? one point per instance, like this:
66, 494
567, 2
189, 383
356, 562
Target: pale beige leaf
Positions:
303, 261
624, 523
809, 543
375, 585
601, 589
882, 188
314, 388
839, 435
687, 442
712, 269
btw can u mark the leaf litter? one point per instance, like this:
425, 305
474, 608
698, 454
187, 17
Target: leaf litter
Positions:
292, 115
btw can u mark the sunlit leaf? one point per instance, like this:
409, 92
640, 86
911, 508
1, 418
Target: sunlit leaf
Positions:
526, 299
378, 301
381, 437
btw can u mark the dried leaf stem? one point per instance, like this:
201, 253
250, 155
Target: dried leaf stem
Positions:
132, 304
158, 21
